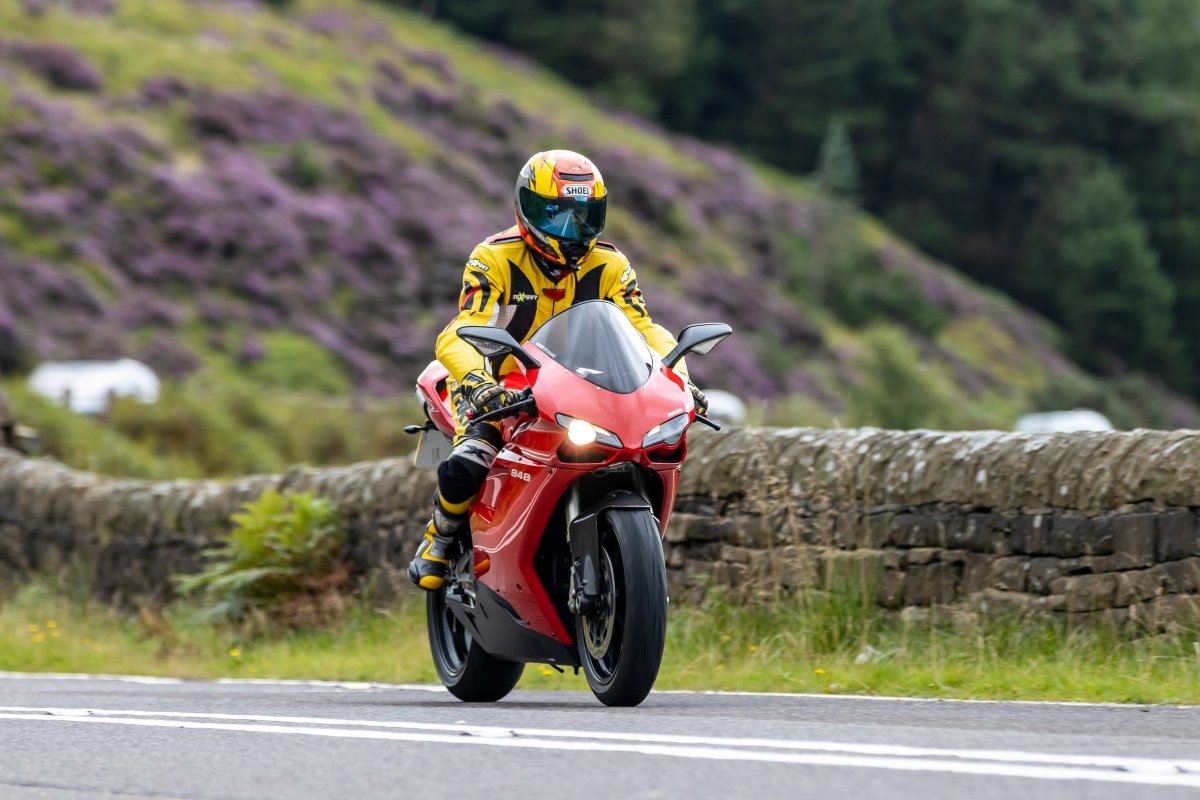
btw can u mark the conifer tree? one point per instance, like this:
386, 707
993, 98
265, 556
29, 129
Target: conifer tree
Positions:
837, 168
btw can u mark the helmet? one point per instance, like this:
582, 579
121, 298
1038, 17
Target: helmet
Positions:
561, 202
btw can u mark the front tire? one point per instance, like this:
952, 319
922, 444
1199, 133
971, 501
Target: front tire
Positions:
463, 667
621, 644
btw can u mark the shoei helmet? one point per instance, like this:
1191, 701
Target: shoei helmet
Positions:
561, 202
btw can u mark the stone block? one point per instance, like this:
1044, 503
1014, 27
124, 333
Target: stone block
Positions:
965, 532
1133, 540
875, 533
1031, 535
934, 583
1135, 586
1042, 571
918, 530
889, 589
1177, 536
1001, 534
1072, 536
843, 530
736, 555
679, 527
990, 533
920, 555
1183, 577
994, 603
952, 556
976, 568
1089, 592
1008, 574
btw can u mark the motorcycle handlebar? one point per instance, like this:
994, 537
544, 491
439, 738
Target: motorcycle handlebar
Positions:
508, 411
716, 426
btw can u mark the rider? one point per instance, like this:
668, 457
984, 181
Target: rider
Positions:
517, 279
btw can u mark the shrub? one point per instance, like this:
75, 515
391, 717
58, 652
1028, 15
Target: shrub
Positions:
62, 66
281, 563
300, 364
897, 391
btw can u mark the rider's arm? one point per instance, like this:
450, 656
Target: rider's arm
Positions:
621, 287
484, 285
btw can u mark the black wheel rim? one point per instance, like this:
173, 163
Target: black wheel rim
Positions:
603, 631
453, 639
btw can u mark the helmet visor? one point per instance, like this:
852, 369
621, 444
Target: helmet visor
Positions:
578, 218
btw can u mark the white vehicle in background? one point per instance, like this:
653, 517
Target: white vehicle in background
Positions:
725, 407
1077, 419
89, 387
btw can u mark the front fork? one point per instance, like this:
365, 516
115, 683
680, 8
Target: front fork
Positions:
583, 538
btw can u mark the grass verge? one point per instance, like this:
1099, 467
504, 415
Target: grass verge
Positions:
830, 648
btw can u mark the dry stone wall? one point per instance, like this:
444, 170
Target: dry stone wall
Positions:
1089, 524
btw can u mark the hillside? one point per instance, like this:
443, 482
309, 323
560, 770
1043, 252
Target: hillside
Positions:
207, 184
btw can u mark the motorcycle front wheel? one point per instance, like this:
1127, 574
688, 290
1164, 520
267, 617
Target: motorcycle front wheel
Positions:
463, 667
621, 643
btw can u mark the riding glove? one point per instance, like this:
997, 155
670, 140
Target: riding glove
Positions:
698, 398
485, 395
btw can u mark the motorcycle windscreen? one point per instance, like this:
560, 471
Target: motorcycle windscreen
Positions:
598, 343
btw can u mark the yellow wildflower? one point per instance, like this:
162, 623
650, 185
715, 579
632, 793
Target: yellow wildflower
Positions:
235, 653
819, 671
51, 624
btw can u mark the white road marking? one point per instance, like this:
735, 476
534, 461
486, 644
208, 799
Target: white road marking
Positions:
437, 689
1108, 769
159, 681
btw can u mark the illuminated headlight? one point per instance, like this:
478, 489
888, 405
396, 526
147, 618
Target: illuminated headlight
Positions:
582, 432
667, 433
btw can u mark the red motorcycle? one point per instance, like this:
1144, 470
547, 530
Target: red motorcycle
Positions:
566, 561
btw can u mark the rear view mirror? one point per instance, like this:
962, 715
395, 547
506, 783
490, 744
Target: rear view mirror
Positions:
698, 339
495, 343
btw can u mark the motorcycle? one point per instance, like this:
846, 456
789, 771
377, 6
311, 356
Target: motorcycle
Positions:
565, 564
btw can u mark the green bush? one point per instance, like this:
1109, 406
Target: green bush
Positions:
282, 563
896, 390
299, 364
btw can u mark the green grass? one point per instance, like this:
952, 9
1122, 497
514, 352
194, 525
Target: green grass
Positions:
795, 647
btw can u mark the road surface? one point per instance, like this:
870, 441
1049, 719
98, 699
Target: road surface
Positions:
72, 737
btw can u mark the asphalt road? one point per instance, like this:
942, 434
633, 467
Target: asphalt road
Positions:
65, 738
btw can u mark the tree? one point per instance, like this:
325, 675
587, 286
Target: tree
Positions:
837, 168
1109, 291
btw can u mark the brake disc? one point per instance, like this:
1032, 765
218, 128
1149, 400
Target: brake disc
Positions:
598, 627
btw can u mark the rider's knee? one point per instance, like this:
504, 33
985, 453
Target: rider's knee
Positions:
461, 475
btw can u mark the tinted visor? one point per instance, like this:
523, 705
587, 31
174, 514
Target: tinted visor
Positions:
577, 218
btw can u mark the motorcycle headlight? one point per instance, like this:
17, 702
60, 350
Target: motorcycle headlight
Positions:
668, 432
582, 432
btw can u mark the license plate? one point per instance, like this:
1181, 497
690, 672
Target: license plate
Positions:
433, 449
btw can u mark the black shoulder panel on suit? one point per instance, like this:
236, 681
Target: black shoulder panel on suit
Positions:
588, 287
525, 312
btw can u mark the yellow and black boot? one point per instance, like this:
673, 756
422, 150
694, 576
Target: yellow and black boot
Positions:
431, 563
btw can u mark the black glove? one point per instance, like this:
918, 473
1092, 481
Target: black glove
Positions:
485, 395
698, 398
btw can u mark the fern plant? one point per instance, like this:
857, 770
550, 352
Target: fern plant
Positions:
282, 558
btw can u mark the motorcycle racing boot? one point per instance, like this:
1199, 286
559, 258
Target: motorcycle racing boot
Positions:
431, 563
